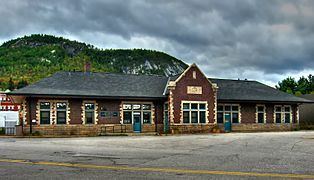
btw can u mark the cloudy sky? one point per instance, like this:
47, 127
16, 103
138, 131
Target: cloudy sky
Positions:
266, 40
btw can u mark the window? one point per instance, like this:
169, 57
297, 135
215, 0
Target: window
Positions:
186, 117
194, 74
147, 117
220, 117
127, 117
145, 111
287, 114
44, 112
260, 111
146, 106
194, 117
127, 106
89, 113
228, 112
202, 117
166, 112
136, 106
278, 114
61, 112
194, 113
282, 114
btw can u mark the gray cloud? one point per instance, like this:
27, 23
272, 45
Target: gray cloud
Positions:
241, 38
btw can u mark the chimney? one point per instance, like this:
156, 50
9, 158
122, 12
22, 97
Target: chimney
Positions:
87, 67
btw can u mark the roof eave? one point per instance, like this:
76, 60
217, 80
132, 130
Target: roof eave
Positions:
88, 96
264, 101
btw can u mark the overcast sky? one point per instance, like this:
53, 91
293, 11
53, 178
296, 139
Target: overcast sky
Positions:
265, 40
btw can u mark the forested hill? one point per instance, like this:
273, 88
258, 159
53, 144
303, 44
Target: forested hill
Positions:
30, 58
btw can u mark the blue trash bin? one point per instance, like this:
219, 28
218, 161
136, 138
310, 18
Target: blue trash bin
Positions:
227, 124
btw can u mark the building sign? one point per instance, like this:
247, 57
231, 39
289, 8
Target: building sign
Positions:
194, 90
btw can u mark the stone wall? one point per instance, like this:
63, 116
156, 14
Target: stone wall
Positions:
86, 130
263, 127
192, 128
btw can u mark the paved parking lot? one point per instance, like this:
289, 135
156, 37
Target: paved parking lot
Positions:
211, 156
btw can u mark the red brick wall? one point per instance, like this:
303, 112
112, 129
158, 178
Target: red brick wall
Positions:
180, 93
75, 111
269, 113
159, 112
248, 113
31, 103
108, 105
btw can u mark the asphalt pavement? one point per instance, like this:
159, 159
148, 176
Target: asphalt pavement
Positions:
275, 155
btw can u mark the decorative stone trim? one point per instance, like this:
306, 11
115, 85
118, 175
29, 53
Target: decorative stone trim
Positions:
68, 113
297, 114
215, 88
171, 107
53, 114
121, 112
24, 112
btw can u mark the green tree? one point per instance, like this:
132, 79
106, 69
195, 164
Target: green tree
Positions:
287, 85
303, 85
22, 83
11, 85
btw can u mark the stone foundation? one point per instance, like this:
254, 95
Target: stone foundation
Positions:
86, 130
191, 129
262, 127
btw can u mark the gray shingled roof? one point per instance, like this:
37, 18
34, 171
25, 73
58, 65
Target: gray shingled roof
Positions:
98, 84
145, 86
244, 90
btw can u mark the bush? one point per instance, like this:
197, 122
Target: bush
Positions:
2, 131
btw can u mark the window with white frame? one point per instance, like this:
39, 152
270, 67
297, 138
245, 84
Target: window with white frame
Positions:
287, 114
194, 112
228, 112
282, 114
144, 109
89, 113
44, 112
278, 114
61, 112
260, 113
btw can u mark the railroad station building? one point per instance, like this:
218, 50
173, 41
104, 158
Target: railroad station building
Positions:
88, 103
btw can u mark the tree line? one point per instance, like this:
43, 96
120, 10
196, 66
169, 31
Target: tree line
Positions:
11, 85
305, 85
